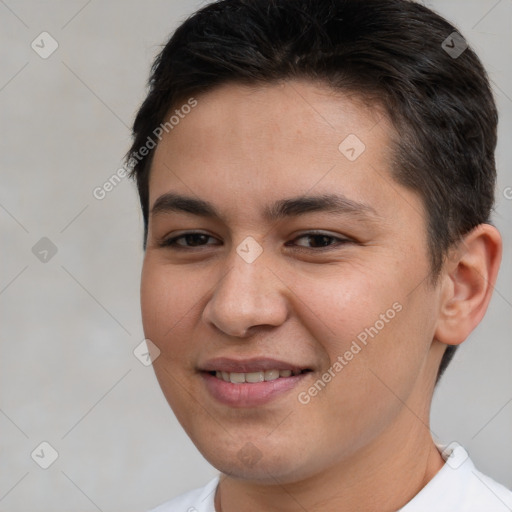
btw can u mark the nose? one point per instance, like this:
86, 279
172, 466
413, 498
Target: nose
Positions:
249, 295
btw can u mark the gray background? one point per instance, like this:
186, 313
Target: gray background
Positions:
69, 325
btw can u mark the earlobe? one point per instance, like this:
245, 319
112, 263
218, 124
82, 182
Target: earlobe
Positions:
467, 283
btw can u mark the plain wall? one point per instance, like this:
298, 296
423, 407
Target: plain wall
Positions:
69, 325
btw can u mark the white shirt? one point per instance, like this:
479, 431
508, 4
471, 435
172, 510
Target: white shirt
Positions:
457, 487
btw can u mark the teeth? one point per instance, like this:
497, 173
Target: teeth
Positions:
267, 375
255, 377
237, 378
271, 374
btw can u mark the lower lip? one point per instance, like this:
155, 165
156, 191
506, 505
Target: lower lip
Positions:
249, 394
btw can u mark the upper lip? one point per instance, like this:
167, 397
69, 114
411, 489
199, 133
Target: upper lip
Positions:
225, 364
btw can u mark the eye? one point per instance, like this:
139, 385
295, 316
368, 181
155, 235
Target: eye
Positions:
187, 241
320, 241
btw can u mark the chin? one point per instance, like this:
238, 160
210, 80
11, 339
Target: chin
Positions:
254, 462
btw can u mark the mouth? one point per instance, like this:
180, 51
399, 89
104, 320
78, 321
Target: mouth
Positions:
250, 382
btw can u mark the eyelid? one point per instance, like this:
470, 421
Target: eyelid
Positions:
320, 232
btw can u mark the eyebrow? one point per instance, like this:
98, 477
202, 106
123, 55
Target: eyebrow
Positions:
283, 208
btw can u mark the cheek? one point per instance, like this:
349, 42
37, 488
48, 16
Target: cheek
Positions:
371, 326
339, 306
168, 299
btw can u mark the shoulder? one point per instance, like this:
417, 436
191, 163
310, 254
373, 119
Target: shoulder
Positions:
474, 490
460, 487
484, 493
197, 500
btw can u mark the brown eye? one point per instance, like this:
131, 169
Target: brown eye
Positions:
187, 241
320, 241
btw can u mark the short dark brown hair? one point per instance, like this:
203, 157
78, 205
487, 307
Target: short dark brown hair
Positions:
395, 53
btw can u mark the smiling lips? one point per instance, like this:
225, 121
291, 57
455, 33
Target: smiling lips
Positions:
250, 383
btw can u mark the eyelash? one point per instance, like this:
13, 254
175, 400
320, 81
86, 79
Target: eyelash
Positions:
172, 242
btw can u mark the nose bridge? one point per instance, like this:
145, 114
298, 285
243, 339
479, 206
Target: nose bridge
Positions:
248, 295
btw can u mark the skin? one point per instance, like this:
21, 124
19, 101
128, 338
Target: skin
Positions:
241, 149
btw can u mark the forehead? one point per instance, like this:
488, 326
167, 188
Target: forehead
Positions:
246, 145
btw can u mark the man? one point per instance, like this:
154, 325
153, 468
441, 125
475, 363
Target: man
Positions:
316, 179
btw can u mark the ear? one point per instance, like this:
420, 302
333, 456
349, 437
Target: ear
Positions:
468, 280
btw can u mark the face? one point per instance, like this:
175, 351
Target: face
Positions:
285, 282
